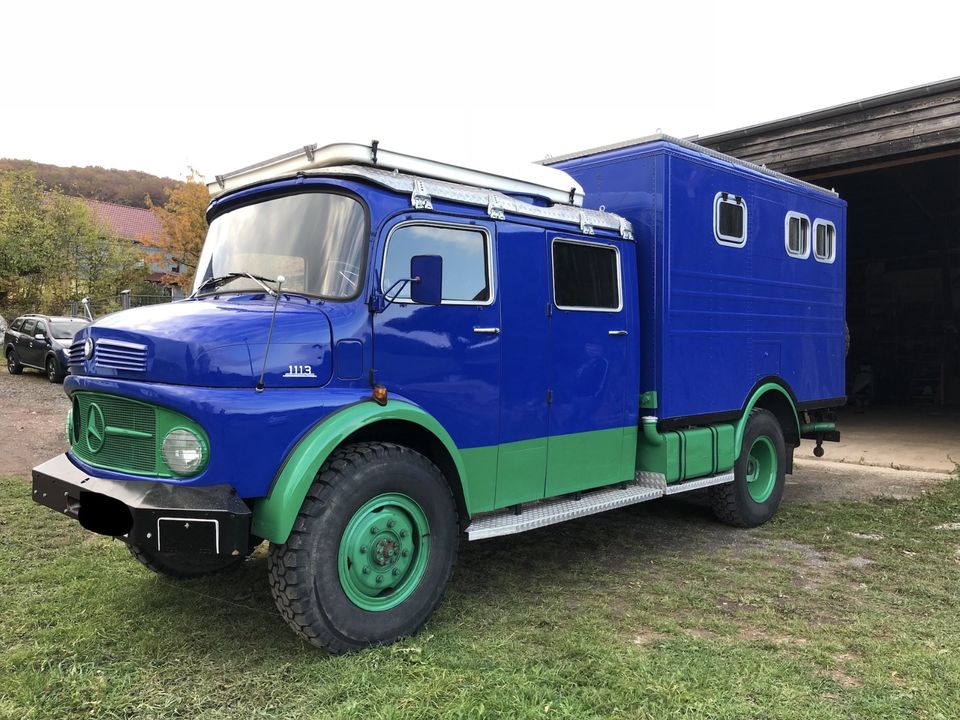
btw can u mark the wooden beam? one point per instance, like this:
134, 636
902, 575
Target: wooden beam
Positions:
868, 167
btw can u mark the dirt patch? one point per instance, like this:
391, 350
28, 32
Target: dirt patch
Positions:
31, 426
646, 638
842, 674
820, 481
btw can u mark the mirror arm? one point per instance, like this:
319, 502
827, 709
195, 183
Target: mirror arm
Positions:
379, 303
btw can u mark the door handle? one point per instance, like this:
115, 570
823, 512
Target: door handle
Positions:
616, 332
487, 330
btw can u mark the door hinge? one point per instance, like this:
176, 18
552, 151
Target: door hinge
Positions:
549, 397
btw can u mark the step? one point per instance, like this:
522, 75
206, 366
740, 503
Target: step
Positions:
568, 507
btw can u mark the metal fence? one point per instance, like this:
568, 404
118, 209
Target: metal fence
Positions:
122, 301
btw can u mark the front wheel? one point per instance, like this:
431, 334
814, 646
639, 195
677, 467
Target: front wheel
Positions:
371, 551
759, 474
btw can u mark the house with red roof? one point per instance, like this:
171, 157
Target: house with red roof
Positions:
139, 226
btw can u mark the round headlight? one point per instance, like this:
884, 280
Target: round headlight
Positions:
69, 427
88, 348
182, 451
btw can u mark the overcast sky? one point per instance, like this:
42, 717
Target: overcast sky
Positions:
162, 86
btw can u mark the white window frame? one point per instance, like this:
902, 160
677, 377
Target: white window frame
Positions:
805, 253
487, 238
553, 276
729, 240
813, 241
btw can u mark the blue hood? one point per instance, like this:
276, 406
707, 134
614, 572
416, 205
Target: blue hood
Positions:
212, 342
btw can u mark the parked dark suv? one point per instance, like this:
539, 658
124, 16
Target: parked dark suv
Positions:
41, 342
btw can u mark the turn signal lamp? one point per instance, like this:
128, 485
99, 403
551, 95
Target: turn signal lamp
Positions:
380, 394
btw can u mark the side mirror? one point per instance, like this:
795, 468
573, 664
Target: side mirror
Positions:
40, 336
426, 287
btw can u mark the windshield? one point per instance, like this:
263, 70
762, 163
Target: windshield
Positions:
66, 329
315, 240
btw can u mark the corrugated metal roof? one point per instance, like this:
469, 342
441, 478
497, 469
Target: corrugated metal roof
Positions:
919, 91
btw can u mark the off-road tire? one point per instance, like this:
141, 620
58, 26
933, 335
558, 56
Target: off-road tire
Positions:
13, 365
182, 566
732, 502
304, 576
54, 373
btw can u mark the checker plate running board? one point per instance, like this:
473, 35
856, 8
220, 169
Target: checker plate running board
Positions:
556, 510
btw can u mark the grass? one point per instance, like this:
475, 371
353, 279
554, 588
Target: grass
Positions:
846, 610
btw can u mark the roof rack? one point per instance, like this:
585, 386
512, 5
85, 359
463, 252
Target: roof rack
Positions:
661, 137
532, 180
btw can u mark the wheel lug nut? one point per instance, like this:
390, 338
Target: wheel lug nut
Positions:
379, 579
403, 533
396, 572
405, 553
363, 549
366, 570
389, 523
374, 530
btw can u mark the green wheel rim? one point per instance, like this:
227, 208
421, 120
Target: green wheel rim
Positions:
383, 552
761, 469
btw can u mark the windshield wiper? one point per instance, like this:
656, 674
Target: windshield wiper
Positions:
221, 279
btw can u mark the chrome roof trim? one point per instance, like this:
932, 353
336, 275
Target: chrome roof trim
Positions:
496, 203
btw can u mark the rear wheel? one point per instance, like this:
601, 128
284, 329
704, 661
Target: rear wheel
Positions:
759, 475
183, 566
13, 364
371, 551
54, 374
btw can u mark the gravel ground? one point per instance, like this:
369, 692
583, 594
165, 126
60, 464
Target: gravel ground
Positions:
31, 425
34, 412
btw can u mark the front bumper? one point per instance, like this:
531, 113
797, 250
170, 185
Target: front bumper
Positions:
149, 514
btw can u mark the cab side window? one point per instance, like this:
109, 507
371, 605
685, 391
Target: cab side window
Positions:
41, 328
586, 276
466, 261
29, 326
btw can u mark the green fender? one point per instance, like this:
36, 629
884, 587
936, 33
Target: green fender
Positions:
274, 515
760, 392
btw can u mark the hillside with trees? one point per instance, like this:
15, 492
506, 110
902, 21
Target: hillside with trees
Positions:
124, 187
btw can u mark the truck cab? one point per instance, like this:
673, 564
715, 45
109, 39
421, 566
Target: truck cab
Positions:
381, 354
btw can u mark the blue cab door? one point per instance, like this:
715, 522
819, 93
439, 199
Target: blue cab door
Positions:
445, 358
588, 341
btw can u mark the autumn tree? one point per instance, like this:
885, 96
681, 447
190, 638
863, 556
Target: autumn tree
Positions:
183, 226
53, 253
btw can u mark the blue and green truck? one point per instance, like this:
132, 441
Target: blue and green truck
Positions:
386, 355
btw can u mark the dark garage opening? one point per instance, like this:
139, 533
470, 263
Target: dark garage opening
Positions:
903, 283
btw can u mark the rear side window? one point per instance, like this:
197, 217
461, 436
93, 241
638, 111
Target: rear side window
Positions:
824, 241
730, 219
466, 261
586, 276
797, 231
